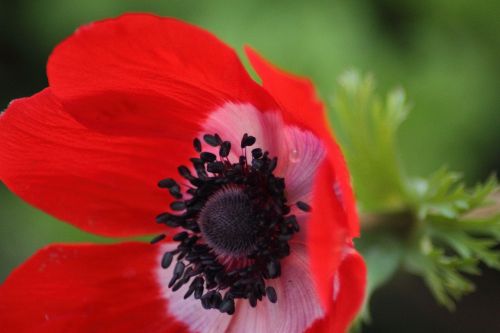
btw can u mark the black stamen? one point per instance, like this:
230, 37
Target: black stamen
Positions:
172, 186
184, 172
243, 140
197, 145
225, 148
271, 294
208, 157
303, 206
227, 306
272, 165
211, 140
215, 167
179, 268
178, 205
157, 239
181, 236
175, 191
252, 299
257, 153
167, 183
167, 259
273, 269
205, 300
247, 140
237, 210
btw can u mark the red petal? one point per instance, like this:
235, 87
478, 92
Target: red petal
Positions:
300, 106
349, 293
106, 69
296, 95
102, 184
86, 288
326, 232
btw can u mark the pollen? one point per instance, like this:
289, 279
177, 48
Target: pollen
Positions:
233, 224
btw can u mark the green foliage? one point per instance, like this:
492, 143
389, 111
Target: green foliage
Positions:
453, 239
442, 273
434, 227
443, 194
368, 128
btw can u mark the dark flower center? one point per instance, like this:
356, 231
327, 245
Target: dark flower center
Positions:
236, 223
228, 222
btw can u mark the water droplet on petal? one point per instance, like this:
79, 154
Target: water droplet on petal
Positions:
338, 192
294, 156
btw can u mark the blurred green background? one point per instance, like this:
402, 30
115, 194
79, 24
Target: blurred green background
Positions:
444, 53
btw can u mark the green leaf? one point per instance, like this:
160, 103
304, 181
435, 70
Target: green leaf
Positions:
443, 194
452, 239
442, 274
434, 227
367, 126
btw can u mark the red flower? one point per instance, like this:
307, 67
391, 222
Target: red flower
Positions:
126, 97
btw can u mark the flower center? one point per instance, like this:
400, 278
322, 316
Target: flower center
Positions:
236, 223
228, 223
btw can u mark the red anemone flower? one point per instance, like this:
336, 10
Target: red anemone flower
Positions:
258, 231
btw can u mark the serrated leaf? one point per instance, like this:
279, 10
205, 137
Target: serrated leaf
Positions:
367, 126
452, 241
443, 274
447, 230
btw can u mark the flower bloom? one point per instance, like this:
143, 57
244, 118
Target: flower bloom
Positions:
256, 232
